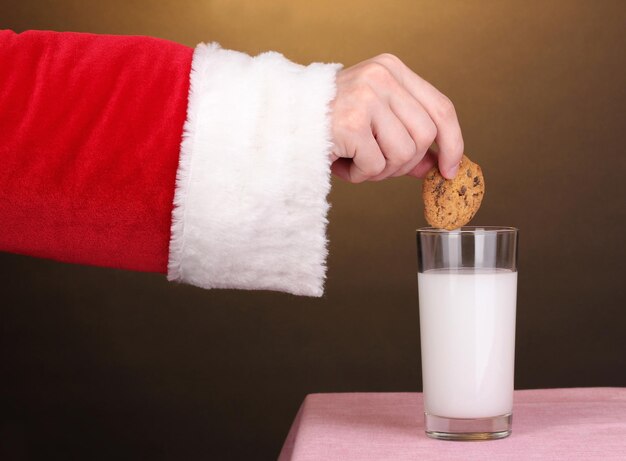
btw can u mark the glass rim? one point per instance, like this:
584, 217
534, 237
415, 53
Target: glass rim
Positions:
468, 230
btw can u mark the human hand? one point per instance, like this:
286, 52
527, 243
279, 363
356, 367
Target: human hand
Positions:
385, 119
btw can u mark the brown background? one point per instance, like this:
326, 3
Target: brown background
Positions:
102, 364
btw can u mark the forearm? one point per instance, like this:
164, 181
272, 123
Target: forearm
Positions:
90, 129
90, 142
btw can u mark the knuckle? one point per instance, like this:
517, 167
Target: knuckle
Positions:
376, 72
388, 58
402, 171
353, 121
445, 108
374, 168
426, 135
365, 94
405, 154
380, 167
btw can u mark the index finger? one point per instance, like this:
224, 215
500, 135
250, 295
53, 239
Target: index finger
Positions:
440, 109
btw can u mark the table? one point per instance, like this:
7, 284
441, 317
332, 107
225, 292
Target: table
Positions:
569, 424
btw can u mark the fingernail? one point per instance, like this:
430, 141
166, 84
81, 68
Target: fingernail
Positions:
452, 171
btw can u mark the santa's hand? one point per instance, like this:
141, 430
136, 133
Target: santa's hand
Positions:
385, 119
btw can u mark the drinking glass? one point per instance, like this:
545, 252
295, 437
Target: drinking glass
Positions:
467, 282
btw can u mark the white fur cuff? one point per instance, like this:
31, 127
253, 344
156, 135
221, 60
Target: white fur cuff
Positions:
250, 203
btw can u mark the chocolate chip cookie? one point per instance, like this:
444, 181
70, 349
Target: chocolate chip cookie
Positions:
452, 203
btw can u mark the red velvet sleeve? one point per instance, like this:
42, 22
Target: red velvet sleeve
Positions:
90, 132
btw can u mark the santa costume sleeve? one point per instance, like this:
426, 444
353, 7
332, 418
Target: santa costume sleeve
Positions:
137, 153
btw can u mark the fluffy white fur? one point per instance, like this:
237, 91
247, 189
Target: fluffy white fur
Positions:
250, 203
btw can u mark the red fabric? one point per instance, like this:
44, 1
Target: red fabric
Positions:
90, 130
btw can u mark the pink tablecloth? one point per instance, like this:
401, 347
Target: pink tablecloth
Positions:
568, 424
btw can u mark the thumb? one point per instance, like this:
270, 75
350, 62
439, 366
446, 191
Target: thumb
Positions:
429, 161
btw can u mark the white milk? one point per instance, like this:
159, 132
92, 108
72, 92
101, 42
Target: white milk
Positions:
467, 325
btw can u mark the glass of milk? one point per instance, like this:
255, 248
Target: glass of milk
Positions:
467, 281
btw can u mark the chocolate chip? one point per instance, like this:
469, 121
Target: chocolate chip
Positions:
439, 187
469, 173
462, 191
476, 181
